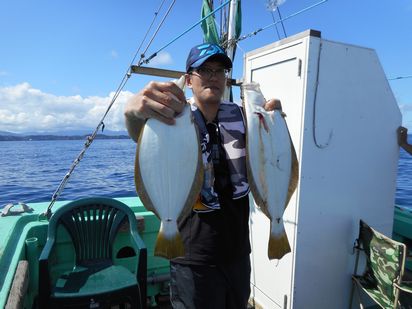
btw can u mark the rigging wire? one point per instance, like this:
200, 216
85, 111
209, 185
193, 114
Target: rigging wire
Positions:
182, 34
91, 138
400, 77
157, 30
246, 36
147, 33
276, 28
274, 20
281, 22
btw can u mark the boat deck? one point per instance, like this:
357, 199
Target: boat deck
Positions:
14, 231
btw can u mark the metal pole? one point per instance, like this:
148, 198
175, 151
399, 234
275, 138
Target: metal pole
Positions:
231, 41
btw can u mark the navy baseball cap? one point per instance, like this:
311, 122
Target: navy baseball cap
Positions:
200, 53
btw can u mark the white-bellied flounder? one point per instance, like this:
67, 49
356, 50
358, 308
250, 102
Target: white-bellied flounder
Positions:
272, 164
168, 175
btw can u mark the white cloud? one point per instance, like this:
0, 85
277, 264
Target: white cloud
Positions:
161, 59
114, 54
24, 108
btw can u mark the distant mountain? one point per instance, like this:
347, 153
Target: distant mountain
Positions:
61, 135
74, 132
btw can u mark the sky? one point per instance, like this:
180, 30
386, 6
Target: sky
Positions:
62, 61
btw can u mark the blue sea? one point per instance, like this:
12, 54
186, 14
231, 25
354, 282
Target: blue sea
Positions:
32, 170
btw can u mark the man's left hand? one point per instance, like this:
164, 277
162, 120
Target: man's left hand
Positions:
273, 104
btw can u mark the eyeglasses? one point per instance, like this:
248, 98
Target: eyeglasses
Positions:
208, 73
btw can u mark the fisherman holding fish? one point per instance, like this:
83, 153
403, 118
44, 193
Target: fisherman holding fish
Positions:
215, 269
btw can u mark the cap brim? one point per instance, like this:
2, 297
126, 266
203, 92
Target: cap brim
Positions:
225, 60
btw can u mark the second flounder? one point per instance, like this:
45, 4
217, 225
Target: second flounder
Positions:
272, 165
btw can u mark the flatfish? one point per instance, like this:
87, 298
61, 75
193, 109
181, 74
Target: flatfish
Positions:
271, 164
168, 175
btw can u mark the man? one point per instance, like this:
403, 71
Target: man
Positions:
215, 271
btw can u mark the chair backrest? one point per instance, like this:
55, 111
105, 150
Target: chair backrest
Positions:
92, 223
385, 260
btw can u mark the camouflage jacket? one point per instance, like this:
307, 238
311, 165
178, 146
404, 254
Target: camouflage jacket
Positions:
232, 134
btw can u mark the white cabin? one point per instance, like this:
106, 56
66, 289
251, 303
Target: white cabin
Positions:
343, 117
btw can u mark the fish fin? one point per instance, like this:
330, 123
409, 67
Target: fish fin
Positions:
138, 180
294, 175
278, 245
169, 243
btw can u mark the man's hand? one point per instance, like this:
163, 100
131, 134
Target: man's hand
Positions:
402, 136
403, 139
159, 100
273, 104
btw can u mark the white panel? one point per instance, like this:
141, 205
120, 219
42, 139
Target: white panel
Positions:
350, 175
343, 119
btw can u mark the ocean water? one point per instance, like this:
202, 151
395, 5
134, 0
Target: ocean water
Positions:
30, 171
404, 179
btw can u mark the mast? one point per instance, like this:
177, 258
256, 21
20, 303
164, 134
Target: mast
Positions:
232, 35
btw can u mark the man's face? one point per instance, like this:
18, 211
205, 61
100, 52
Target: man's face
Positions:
208, 81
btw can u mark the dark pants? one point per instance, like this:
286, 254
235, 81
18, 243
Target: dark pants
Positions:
210, 287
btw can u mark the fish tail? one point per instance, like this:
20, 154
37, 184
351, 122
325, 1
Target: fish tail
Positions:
278, 243
169, 243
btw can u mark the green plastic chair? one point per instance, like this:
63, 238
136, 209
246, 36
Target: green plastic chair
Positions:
385, 264
95, 280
